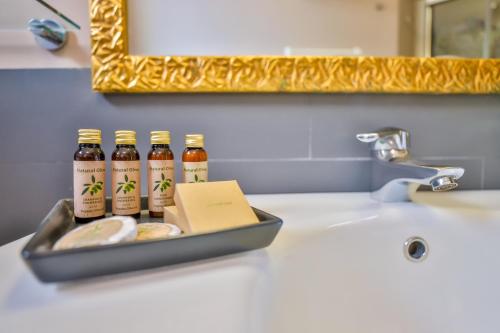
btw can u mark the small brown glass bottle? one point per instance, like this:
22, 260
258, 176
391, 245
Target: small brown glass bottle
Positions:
161, 173
126, 176
194, 160
89, 173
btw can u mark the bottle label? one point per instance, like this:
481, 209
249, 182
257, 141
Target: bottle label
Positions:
88, 188
161, 183
126, 187
195, 172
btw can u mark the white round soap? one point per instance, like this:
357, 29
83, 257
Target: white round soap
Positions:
156, 230
106, 231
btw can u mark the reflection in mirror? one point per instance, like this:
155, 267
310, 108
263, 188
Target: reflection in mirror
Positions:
456, 28
469, 28
16, 14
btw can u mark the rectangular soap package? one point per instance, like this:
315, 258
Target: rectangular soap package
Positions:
210, 206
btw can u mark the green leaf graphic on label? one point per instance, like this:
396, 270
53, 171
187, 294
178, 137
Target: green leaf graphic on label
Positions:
126, 186
94, 187
197, 179
162, 184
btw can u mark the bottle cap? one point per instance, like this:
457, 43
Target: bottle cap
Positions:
87, 135
160, 137
124, 137
194, 140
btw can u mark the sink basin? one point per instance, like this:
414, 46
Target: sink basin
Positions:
339, 264
347, 268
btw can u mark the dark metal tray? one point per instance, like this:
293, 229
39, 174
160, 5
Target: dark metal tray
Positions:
73, 264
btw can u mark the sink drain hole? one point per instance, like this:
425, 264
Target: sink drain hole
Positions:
416, 249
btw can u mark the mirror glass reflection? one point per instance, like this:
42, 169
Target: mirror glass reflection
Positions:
422, 28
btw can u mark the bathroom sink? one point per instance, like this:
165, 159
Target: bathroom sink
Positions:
346, 267
341, 263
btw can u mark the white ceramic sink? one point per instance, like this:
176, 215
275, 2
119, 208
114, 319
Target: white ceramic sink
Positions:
338, 265
350, 274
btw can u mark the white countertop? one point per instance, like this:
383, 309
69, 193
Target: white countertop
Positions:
137, 301
216, 295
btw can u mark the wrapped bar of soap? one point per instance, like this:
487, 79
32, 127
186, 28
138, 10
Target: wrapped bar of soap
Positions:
156, 230
111, 230
170, 215
212, 206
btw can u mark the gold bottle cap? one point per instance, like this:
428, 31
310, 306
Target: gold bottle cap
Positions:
88, 135
194, 140
160, 137
124, 137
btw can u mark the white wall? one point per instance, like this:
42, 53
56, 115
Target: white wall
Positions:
18, 49
208, 27
214, 27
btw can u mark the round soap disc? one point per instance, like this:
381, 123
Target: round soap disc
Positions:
148, 231
106, 231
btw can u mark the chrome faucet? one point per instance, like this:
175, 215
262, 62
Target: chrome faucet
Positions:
395, 176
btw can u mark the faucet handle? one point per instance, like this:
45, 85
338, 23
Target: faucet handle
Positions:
368, 137
386, 139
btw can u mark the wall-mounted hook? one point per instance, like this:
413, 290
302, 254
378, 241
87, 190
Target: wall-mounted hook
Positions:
48, 34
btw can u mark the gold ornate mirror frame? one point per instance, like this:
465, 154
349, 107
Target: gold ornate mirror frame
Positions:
115, 70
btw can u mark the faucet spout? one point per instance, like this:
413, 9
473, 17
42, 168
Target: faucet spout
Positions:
398, 180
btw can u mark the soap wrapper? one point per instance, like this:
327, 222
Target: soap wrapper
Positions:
170, 215
211, 206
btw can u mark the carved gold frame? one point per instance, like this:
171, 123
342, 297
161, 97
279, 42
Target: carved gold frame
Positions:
115, 70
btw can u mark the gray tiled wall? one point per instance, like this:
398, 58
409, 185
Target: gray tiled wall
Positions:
270, 143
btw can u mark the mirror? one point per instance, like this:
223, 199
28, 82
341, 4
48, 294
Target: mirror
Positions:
421, 28
294, 46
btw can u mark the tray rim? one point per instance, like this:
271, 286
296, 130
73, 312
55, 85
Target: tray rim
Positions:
30, 253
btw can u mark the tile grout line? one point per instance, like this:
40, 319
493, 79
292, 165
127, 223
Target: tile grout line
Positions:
342, 159
290, 159
483, 171
452, 158
293, 159
219, 160
310, 132
10, 163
